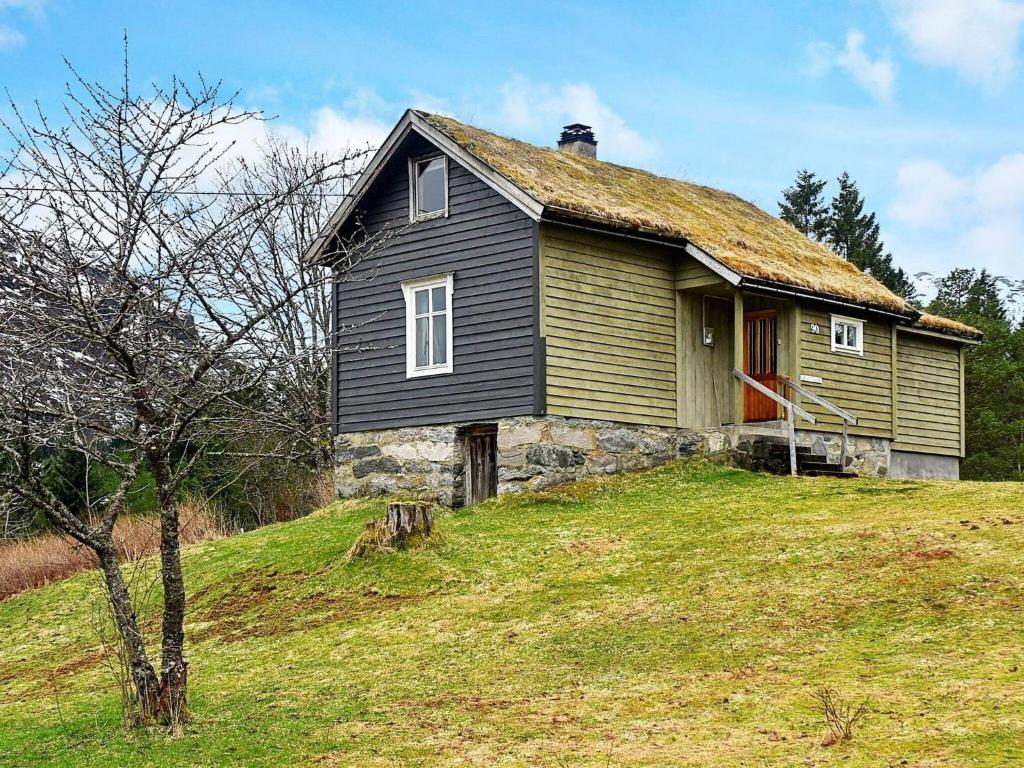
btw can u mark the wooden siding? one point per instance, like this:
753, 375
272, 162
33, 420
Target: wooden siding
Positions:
861, 385
489, 245
609, 319
930, 419
707, 385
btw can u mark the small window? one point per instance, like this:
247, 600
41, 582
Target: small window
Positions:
429, 185
847, 335
428, 326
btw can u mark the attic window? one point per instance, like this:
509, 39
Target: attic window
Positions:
429, 188
847, 335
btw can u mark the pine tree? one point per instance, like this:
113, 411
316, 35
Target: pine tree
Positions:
994, 376
804, 207
855, 236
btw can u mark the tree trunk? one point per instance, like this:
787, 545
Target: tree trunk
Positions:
147, 687
174, 666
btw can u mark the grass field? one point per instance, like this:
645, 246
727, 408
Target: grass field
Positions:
684, 616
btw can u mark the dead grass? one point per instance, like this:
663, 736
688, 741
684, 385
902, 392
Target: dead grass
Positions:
735, 232
44, 559
944, 324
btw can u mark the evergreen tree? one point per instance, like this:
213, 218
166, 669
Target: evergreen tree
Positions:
855, 236
994, 375
804, 207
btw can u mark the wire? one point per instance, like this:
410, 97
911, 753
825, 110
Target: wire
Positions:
197, 192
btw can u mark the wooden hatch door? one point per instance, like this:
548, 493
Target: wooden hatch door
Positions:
481, 464
760, 360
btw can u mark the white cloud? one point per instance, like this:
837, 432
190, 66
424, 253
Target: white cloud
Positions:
978, 39
876, 76
10, 38
925, 193
987, 207
541, 110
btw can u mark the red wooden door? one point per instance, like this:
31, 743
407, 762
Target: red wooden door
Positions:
760, 356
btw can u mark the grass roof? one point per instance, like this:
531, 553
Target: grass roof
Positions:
735, 232
945, 325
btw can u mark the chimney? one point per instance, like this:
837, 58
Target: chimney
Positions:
578, 139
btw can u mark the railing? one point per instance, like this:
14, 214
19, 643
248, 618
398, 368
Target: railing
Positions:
792, 410
847, 417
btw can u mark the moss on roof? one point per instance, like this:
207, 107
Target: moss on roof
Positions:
945, 325
735, 232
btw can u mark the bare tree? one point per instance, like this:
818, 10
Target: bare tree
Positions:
281, 435
128, 320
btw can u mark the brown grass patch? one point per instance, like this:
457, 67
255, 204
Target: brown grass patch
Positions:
594, 546
49, 557
267, 607
939, 553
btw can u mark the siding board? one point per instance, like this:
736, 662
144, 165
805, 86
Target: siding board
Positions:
609, 324
488, 244
860, 385
929, 393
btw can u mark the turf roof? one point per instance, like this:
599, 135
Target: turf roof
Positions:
733, 231
945, 325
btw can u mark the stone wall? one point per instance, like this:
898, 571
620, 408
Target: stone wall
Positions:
537, 452
533, 453
428, 460
868, 456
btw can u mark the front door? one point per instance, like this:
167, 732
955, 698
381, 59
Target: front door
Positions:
760, 355
481, 464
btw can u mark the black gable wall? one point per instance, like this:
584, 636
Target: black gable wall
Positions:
490, 246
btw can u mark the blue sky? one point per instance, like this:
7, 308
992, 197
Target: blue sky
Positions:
922, 101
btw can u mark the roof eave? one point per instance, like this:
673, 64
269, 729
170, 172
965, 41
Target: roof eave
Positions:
413, 121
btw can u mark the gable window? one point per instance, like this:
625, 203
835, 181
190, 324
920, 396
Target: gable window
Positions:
429, 188
428, 326
847, 335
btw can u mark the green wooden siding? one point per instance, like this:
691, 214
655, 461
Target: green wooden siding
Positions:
861, 385
706, 379
609, 319
929, 415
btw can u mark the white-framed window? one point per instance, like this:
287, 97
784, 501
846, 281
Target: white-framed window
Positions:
428, 325
428, 187
847, 335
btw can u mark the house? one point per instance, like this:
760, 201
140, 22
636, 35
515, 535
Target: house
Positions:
538, 315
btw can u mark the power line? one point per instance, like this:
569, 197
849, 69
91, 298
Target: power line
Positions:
202, 193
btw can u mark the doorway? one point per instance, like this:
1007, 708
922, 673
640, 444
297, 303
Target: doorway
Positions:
761, 363
481, 463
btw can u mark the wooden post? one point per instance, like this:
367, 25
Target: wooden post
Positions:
846, 439
738, 362
791, 422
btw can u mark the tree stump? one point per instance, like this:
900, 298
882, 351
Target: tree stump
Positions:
405, 519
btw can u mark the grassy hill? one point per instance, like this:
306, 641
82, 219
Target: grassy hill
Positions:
684, 616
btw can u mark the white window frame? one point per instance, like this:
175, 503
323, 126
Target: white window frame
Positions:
856, 349
414, 208
409, 289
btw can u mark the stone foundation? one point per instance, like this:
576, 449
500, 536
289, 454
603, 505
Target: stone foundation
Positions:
537, 452
867, 456
534, 452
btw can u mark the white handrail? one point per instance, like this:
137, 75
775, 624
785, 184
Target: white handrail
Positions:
815, 398
791, 409
847, 417
774, 396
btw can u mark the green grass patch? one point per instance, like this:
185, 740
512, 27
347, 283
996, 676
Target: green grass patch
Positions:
683, 616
